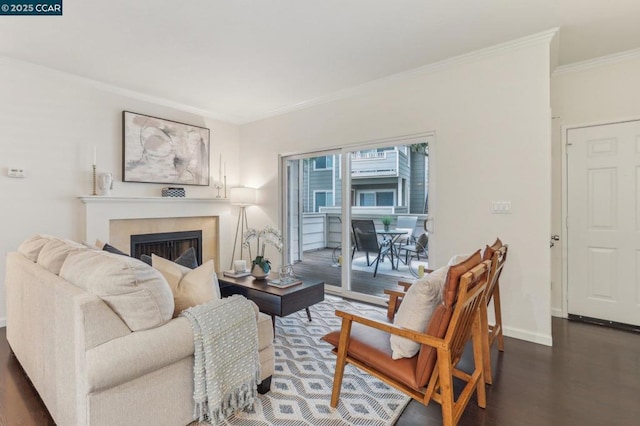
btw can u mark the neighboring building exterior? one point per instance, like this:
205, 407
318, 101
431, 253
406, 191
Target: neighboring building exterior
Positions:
391, 176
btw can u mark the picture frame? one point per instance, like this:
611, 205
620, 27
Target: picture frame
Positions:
157, 150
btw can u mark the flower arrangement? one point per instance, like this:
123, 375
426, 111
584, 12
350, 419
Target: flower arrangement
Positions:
267, 236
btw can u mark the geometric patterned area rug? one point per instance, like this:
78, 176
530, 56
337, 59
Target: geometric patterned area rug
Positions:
301, 385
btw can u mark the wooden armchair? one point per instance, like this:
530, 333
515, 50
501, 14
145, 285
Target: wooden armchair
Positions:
364, 343
493, 332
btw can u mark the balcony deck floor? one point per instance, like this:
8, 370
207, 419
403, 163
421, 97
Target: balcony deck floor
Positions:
317, 264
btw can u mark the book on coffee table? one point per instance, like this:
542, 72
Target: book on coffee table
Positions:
234, 274
284, 283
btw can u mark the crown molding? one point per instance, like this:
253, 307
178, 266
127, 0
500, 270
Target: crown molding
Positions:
498, 49
110, 88
598, 62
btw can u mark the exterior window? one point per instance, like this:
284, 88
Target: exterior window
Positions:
368, 199
323, 163
322, 199
384, 198
380, 198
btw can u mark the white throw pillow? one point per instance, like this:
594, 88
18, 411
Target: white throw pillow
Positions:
458, 258
190, 287
416, 309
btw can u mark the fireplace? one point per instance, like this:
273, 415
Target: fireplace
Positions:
169, 245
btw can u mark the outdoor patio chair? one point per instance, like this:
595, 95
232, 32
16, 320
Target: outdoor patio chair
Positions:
365, 343
407, 223
415, 249
366, 239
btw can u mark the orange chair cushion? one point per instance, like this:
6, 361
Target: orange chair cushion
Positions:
371, 347
489, 250
440, 319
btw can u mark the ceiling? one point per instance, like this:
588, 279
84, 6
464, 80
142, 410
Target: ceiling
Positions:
242, 60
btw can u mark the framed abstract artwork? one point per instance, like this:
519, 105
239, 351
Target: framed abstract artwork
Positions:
155, 150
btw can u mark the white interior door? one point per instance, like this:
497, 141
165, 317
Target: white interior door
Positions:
603, 184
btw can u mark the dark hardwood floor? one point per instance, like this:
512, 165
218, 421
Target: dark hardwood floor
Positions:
591, 376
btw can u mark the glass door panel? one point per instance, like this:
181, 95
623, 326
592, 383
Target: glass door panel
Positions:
312, 216
349, 247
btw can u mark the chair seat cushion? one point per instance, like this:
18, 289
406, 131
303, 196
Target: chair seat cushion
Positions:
371, 347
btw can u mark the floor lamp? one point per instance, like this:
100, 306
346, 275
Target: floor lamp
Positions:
244, 197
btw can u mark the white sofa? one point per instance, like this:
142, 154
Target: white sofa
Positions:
94, 333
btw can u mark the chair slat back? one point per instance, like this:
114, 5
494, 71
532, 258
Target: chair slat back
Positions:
472, 287
497, 263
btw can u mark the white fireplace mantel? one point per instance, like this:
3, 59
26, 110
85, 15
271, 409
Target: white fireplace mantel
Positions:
100, 210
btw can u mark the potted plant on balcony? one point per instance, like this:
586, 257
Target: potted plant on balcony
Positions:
260, 265
386, 222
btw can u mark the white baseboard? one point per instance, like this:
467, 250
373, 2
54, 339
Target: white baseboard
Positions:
3, 322
516, 333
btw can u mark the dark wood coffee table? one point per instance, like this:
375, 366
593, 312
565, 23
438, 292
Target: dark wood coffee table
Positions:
272, 300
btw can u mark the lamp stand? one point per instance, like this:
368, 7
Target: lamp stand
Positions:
240, 226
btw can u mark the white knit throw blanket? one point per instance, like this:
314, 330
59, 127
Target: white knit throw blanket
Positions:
226, 368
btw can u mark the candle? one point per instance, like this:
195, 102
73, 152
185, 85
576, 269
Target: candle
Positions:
95, 155
220, 170
225, 168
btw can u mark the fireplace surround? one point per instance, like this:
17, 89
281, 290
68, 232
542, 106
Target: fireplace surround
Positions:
115, 219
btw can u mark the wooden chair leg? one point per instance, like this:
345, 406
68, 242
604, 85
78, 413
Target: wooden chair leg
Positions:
479, 338
446, 387
341, 361
498, 315
486, 344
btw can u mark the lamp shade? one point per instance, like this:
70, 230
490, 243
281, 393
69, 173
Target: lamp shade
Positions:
242, 196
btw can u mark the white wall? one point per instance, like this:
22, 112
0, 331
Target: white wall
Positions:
605, 92
49, 124
493, 142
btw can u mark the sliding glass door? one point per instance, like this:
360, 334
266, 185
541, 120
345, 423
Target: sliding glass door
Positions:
335, 207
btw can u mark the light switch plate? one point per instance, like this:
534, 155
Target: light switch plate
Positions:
501, 207
16, 172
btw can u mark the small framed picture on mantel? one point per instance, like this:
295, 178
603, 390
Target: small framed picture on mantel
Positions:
155, 150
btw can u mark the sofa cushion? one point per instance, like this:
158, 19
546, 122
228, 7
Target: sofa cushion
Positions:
190, 287
136, 292
416, 309
31, 247
55, 251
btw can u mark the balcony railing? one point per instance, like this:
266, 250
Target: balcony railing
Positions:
323, 230
368, 164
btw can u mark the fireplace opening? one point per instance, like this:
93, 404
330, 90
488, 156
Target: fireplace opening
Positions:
169, 245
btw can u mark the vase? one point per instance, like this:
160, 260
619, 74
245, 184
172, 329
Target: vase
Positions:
258, 272
386, 227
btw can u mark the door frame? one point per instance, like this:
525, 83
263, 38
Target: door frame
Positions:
345, 168
564, 230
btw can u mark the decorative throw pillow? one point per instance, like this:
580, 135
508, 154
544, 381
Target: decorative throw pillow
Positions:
416, 309
190, 287
111, 249
188, 259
